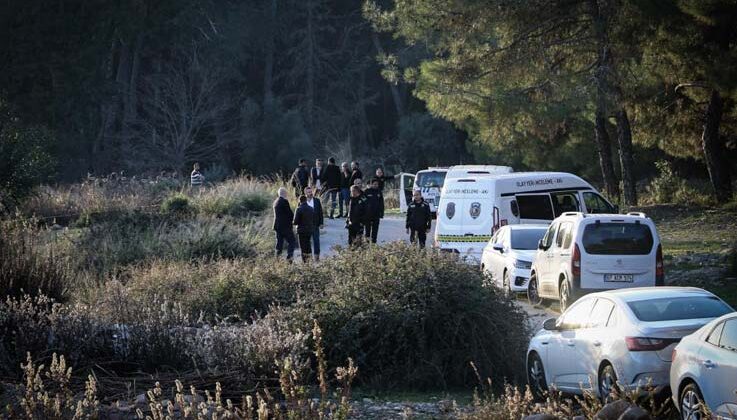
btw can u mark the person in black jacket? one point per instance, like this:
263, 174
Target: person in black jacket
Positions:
374, 210
318, 220
332, 185
283, 217
356, 215
300, 177
345, 188
382, 178
355, 173
419, 219
317, 177
304, 220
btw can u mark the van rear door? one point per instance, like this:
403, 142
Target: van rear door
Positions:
406, 184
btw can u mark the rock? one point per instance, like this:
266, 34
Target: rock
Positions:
540, 417
613, 410
635, 413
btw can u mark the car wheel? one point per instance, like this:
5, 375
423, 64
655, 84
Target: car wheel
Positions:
564, 295
607, 383
533, 291
505, 284
536, 376
692, 403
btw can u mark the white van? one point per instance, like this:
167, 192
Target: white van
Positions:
471, 209
430, 181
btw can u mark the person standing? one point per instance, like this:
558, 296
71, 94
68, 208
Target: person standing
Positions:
345, 187
304, 220
317, 177
300, 177
419, 219
374, 210
196, 179
332, 185
283, 217
356, 215
382, 178
318, 220
355, 172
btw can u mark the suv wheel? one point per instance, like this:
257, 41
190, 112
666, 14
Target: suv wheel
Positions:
536, 376
564, 293
692, 403
533, 291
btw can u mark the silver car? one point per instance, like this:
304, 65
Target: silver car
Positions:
623, 336
704, 371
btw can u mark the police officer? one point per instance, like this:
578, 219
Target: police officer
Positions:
374, 210
304, 220
356, 215
419, 219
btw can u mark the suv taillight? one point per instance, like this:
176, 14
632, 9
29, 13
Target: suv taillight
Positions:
659, 269
576, 261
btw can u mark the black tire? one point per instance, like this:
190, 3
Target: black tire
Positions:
691, 403
536, 376
607, 383
506, 285
564, 294
533, 292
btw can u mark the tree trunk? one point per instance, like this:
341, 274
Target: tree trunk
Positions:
311, 63
394, 90
625, 157
604, 149
269, 65
714, 152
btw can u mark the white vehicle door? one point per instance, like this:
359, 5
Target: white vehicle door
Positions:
718, 376
565, 355
498, 257
543, 262
591, 340
406, 183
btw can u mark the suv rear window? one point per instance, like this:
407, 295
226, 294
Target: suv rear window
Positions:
617, 239
675, 308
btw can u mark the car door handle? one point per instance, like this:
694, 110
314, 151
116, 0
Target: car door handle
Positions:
596, 343
709, 364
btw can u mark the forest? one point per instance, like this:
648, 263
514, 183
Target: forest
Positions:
602, 88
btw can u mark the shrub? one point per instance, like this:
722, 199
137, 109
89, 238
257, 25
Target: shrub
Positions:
239, 197
414, 318
176, 204
667, 187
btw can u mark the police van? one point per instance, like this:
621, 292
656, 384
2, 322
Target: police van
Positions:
430, 181
471, 209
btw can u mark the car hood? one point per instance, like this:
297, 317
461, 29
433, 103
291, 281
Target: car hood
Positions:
523, 254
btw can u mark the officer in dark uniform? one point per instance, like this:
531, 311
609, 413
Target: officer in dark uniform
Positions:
356, 215
374, 210
419, 219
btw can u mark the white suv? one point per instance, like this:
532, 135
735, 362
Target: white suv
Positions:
583, 253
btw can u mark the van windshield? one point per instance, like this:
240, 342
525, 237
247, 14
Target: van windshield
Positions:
617, 238
523, 239
676, 308
431, 179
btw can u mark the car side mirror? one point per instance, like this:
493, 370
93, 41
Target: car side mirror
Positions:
540, 245
550, 324
498, 247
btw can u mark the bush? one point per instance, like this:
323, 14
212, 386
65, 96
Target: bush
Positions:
239, 198
176, 204
414, 318
668, 188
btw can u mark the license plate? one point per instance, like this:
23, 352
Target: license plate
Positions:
621, 278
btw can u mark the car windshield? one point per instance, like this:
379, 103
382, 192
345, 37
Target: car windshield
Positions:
617, 238
431, 179
675, 308
526, 238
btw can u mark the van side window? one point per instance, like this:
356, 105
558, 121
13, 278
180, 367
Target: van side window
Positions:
564, 202
563, 232
548, 238
568, 238
535, 206
596, 204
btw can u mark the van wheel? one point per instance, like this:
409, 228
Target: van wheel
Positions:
533, 291
564, 295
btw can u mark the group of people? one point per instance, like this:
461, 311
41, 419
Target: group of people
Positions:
362, 208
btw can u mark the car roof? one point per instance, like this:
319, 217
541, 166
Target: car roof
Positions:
643, 293
523, 226
593, 217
